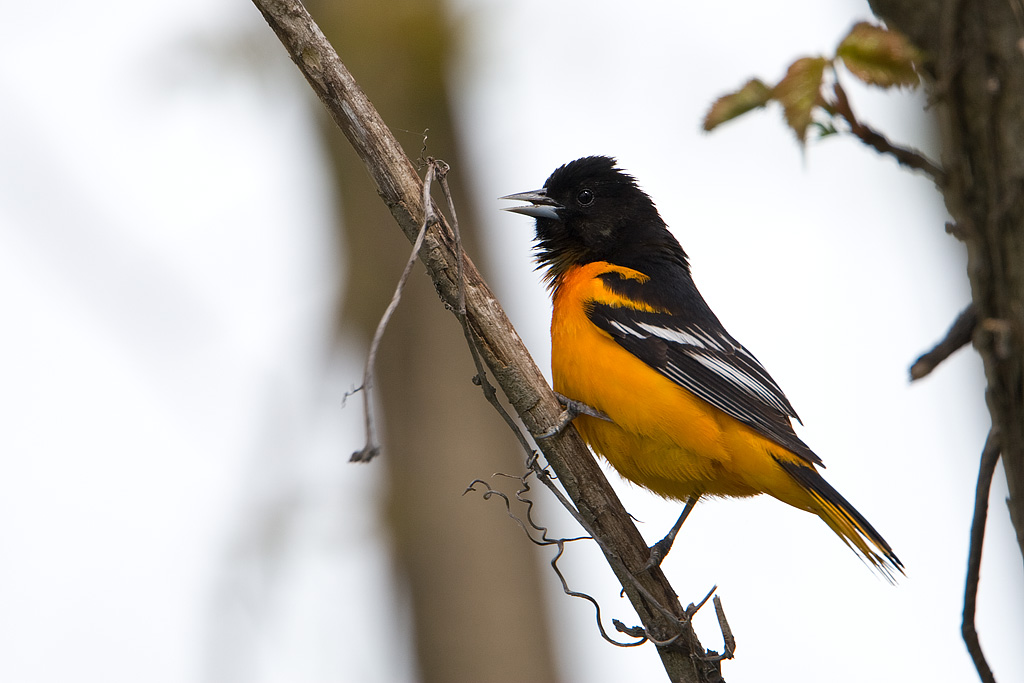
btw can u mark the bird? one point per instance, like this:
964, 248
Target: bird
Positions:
651, 379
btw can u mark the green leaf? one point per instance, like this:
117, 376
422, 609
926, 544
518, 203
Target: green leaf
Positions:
880, 56
752, 95
800, 91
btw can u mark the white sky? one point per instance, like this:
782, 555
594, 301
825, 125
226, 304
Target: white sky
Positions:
164, 293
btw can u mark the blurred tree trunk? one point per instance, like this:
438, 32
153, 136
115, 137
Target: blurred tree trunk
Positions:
473, 579
977, 60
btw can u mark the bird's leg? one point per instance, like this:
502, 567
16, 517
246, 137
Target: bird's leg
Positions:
660, 549
573, 409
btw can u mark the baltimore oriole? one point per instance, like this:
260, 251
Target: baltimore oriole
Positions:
669, 398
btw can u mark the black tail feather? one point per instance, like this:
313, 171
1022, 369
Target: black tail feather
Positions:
844, 519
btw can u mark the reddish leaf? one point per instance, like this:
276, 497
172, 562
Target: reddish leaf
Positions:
880, 56
800, 91
752, 95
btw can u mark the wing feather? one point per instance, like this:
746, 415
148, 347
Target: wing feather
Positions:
703, 358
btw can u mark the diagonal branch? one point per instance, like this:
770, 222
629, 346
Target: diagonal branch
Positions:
499, 345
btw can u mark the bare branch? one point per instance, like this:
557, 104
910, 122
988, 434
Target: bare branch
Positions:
874, 139
729, 648
989, 458
959, 335
494, 337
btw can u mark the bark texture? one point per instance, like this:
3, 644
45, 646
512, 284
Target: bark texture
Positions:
976, 53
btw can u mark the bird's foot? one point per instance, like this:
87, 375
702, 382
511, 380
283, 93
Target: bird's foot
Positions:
573, 409
660, 549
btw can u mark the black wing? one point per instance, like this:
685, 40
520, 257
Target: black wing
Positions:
696, 352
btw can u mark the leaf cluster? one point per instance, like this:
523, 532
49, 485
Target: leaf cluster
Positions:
874, 54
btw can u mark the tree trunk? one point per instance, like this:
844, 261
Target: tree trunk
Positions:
977, 62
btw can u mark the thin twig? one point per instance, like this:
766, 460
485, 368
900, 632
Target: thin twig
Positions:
560, 543
533, 466
989, 458
959, 335
529, 524
872, 138
372, 447
583, 596
728, 639
460, 253
692, 609
545, 478
480, 379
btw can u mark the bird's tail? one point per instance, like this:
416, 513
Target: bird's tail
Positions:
844, 519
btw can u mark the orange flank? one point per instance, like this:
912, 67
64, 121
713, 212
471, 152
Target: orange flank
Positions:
660, 435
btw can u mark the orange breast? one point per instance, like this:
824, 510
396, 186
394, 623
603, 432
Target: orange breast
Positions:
661, 436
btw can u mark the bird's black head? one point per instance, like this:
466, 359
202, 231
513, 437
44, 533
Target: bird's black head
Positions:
589, 210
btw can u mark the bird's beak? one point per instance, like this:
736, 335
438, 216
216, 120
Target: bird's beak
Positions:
541, 206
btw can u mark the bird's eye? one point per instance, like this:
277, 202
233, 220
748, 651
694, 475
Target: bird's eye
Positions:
585, 197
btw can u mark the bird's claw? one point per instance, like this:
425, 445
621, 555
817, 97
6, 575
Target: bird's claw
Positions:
660, 549
658, 553
573, 409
